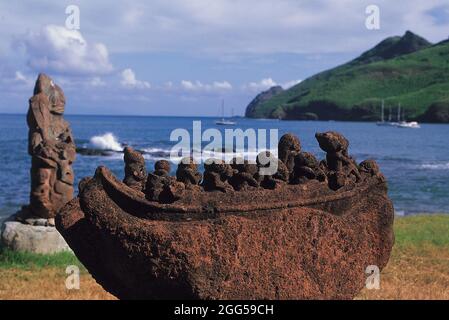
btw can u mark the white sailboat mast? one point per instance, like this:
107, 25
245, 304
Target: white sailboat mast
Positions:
382, 112
222, 109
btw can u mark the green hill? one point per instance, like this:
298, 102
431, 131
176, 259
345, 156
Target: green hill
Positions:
407, 70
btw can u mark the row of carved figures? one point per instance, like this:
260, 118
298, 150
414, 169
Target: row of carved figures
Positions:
293, 167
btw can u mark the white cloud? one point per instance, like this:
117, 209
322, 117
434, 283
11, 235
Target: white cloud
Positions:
224, 85
196, 31
133, 15
56, 49
289, 84
129, 80
224, 26
267, 83
199, 86
261, 85
20, 77
97, 82
189, 85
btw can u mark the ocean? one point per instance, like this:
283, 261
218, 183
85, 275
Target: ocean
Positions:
415, 161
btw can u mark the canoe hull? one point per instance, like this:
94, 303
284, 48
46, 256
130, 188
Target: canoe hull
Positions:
316, 251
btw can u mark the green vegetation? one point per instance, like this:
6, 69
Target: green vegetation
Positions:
406, 70
422, 230
27, 260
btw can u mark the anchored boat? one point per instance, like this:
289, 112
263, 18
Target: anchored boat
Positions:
223, 121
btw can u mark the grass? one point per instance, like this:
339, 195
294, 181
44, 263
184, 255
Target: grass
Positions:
422, 231
25, 275
32, 261
47, 284
418, 268
419, 264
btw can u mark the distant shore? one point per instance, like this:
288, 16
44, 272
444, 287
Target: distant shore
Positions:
418, 268
314, 117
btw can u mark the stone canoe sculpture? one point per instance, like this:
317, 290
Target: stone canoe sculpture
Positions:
310, 231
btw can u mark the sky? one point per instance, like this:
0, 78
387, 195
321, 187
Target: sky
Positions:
182, 57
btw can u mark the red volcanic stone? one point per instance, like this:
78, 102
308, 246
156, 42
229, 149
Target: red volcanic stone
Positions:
52, 149
302, 241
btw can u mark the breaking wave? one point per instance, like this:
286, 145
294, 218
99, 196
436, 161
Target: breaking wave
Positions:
435, 166
106, 141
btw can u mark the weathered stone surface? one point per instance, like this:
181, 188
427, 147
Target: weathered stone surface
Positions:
306, 168
135, 171
244, 175
163, 188
217, 175
32, 238
341, 168
289, 147
307, 240
187, 172
52, 150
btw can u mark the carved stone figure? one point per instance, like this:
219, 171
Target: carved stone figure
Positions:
282, 173
244, 174
217, 174
340, 165
264, 160
161, 186
155, 185
307, 167
289, 146
371, 168
52, 150
187, 172
135, 171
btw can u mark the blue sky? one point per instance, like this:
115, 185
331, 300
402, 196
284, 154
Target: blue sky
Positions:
181, 57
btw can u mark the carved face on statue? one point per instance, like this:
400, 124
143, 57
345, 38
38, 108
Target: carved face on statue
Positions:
57, 101
54, 92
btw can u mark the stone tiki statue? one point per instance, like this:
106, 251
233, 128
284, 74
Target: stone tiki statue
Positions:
52, 150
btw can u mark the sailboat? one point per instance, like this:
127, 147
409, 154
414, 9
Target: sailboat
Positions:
382, 121
409, 125
223, 121
406, 124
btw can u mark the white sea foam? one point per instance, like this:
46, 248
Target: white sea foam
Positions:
153, 150
435, 166
106, 141
153, 153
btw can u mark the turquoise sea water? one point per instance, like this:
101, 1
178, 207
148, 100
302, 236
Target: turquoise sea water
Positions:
415, 161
